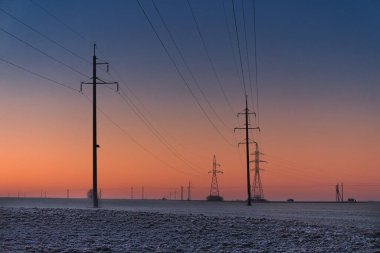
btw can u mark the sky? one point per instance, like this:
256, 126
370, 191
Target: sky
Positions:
316, 97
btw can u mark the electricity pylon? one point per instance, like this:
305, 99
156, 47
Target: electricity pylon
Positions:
214, 189
258, 191
339, 192
189, 191
95, 80
247, 142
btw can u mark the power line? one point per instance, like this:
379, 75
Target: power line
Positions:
304, 169
133, 139
44, 36
153, 130
255, 57
209, 57
231, 41
237, 37
61, 22
67, 26
135, 109
150, 126
138, 100
247, 54
187, 65
42, 52
181, 75
37, 74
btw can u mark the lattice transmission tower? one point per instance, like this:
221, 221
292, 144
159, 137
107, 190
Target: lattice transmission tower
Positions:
214, 188
258, 191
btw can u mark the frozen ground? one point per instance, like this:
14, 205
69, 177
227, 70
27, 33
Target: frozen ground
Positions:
362, 215
105, 230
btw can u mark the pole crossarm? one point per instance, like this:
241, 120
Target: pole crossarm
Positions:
216, 171
244, 143
245, 128
243, 113
101, 82
260, 161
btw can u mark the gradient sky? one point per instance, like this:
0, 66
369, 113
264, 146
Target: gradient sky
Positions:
318, 79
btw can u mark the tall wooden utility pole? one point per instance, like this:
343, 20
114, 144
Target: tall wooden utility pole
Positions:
247, 142
95, 146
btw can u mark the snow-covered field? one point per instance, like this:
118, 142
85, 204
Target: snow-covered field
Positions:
116, 230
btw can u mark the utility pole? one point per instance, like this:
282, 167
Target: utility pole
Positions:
95, 146
247, 142
181, 192
68, 193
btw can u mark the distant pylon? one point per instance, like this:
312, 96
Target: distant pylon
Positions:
214, 189
181, 192
339, 192
189, 191
258, 191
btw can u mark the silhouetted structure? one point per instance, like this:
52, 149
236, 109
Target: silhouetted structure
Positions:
258, 191
89, 194
189, 191
95, 80
247, 142
181, 192
339, 192
214, 188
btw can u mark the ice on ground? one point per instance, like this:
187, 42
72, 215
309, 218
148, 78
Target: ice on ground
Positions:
99, 230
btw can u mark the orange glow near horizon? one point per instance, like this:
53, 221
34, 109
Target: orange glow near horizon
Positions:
46, 149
